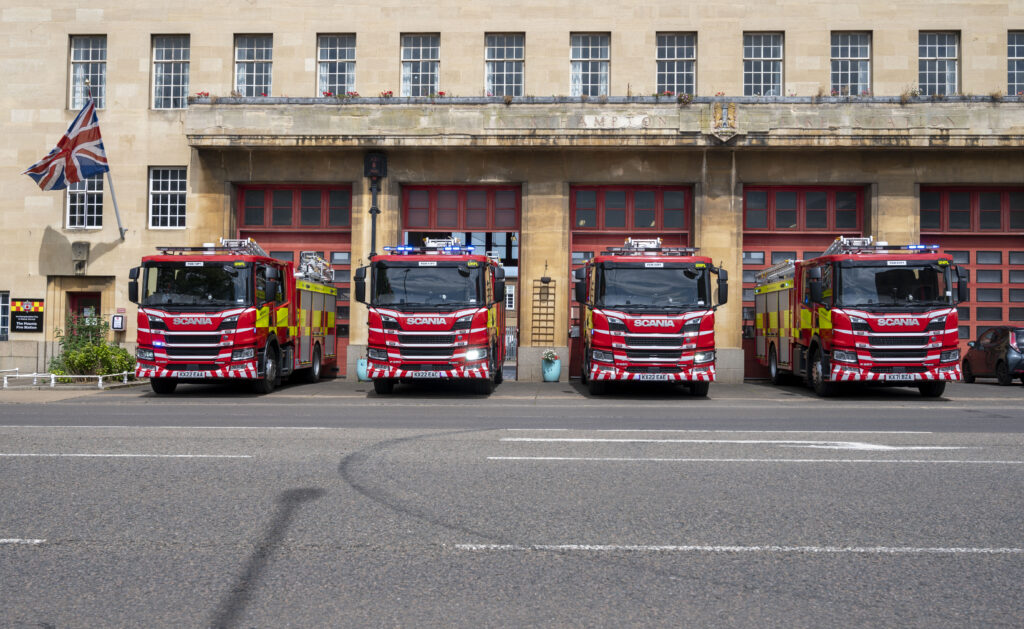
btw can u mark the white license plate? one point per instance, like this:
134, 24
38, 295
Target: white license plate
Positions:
899, 376
191, 374
652, 376
424, 374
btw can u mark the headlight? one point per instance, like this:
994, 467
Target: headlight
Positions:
693, 325
937, 324
844, 356
476, 354
703, 357
857, 324
388, 322
950, 356
377, 354
606, 357
464, 322
616, 324
144, 354
243, 354
228, 323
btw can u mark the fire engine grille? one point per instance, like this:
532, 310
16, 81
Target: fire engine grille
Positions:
647, 341
177, 339
193, 367
442, 353
189, 352
436, 339
910, 369
899, 354
426, 366
672, 355
912, 341
651, 369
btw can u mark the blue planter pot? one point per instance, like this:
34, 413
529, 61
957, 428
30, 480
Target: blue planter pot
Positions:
361, 370
551, 369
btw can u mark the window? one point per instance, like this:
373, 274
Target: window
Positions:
1015, 62
851, 64
762, 64
449, 208
589, 62
254, 55
510, 297
170, 71
167, 198
85, 204
630, 208
298, 207
677, 62
88, 63
421, 60
938, 63
993, 211
336, 72
832, 209
5, 315
504, 64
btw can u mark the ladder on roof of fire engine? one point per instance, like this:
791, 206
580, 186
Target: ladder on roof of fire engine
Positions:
845, 244
313, 267
780, 271
647, 246
236, 246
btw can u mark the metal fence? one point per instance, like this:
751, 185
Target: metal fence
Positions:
511, 342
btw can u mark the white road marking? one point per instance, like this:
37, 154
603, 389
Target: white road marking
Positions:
870, 550
189, 427
127, 456
832, 445
693, 430
722, 460
14, 541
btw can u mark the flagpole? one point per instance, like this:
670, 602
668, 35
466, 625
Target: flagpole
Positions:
110, 179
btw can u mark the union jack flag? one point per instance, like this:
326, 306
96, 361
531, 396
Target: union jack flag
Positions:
79, 154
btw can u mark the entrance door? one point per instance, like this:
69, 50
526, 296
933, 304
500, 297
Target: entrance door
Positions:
84, 307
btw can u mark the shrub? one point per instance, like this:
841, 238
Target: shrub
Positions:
85, 351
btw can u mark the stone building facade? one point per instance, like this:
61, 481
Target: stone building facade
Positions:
753, 130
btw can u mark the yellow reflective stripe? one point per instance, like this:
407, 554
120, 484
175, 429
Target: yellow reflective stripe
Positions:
805, 319
773, 321
316, 288
773, 287
824, 319
330, 318
292, 330
263, 317
282, 316
759, 318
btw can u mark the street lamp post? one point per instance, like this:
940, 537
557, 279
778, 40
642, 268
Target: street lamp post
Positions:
375, 167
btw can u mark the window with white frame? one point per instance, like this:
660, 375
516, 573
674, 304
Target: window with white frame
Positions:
421, 61
504, 64
677, 62
88, 63
510, 297
762, 64
336, 70
589, 63
167, 197
254, 57
170, 71
938, 63
1015, 63
851, 64
5, 315
85, 203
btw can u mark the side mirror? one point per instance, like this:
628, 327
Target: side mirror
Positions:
962, 294
972, 343
815, 287
580, 288
133, 273
723, 287
133, 291
814, 273
360, 278
272, 288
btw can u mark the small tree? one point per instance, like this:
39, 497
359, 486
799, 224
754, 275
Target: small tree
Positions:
84, 349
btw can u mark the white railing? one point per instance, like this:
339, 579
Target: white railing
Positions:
53, 378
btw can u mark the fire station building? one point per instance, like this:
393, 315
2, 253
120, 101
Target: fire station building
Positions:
543, 133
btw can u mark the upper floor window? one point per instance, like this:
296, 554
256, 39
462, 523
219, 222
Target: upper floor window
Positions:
504, 64
630, 208
336, 72
938, 63
762, 64
85, 203
421, 61
167, 198
170, 71
88, 63
802, 208
851, 64
589, 64
254, 57
298, 207
677, 62
972, 210
1015, 63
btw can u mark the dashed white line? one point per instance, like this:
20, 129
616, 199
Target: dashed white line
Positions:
739, 460
831, 445
709, 430
869, 550
14, 541
125, 456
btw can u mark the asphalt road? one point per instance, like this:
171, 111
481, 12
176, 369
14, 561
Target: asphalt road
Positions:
326, 505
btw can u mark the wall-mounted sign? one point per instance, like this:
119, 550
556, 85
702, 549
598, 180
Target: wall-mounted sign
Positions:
26, 315
117, 322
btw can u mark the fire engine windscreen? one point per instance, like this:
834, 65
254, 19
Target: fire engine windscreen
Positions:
189, 283
864, 285
624, 285
443, 285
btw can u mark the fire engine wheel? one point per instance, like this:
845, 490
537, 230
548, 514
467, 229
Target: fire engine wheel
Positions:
968, 373
383, 386
499, 377
700, 389
163, 386
821, 386
931, 389
313, 373
773, 367
584, 370
266, 384
597, 387
1003, 376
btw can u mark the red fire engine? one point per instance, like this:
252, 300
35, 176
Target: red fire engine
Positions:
435, 312
649, 315
232, 312
862, 312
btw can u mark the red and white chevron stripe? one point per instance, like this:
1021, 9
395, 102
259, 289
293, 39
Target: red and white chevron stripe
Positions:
701, 374
854, 374
246, 371
480, 372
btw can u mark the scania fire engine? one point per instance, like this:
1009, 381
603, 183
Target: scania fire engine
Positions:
232, 312
648, 315
435, 312
862, 312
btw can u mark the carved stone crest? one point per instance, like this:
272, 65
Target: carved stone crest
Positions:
724, 126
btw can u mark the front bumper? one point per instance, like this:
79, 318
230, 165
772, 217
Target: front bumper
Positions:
842, 372
638, 373
444, 372
234, 371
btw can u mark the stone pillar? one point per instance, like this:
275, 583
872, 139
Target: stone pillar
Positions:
895, 210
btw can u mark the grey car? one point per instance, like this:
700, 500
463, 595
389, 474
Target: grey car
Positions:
998, 353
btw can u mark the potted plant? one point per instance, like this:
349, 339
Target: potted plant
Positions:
551, 366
